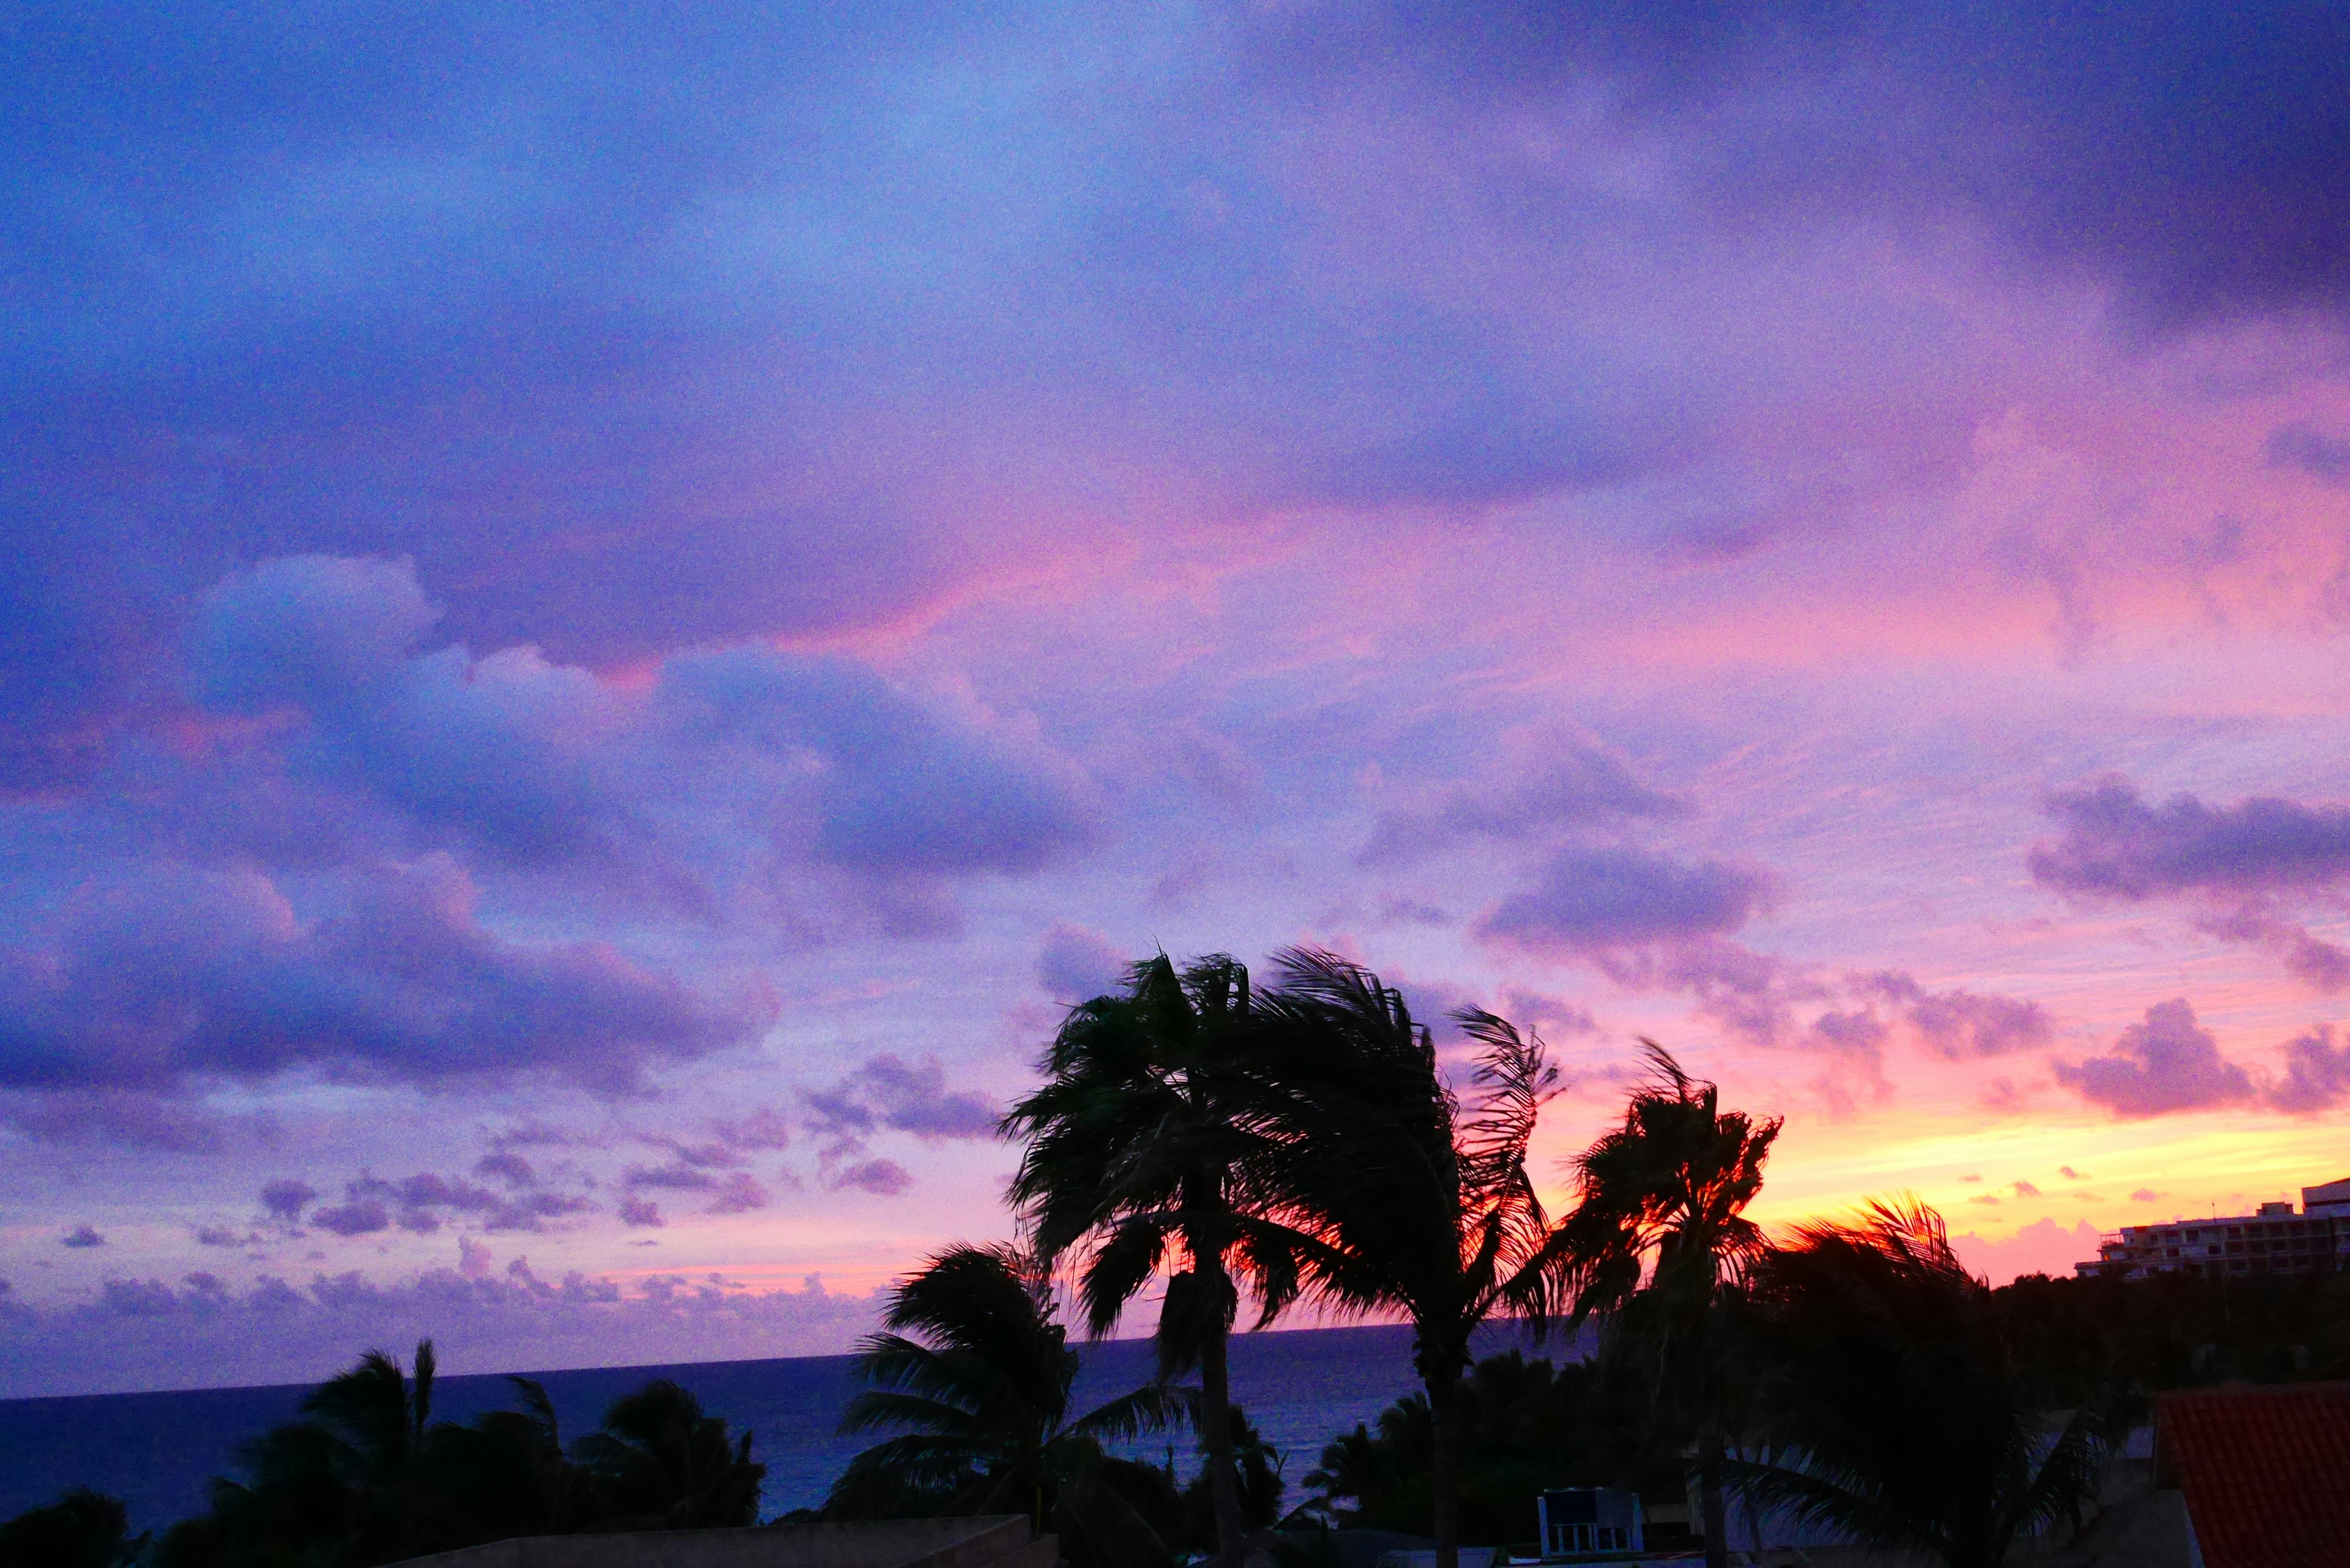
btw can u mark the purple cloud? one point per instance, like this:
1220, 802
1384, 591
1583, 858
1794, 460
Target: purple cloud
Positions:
1597, 902
2237, 863
1557, 779
1077, 965
1960, 1024
285, 1199
2316, 1073
128, 1119
2303, 446
881, 1177
360, 1217
738, 1194
507, 1166
2115, 844
82, 1236
638, 1212
215, 974
422, 1202
2166, 1061
888, 1092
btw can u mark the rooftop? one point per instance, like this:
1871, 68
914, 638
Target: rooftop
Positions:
2265, 1472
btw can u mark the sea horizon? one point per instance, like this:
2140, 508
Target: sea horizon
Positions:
158, 1448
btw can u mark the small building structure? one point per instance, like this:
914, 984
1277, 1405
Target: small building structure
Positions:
2264, 1471
2274, 1239
1590, 1525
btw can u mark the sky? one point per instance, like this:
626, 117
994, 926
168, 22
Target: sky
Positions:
609, 611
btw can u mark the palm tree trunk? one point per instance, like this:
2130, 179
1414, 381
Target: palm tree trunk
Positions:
1223, 1481
1444, 1407
1717, 1516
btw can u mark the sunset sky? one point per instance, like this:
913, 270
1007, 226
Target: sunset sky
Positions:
608, 610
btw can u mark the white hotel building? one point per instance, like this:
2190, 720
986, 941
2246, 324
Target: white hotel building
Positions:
2273, 1241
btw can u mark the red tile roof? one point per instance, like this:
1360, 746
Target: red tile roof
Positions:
2266, 1472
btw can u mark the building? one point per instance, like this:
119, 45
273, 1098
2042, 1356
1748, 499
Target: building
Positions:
1587, 1522
2273, 1241
2265, 1472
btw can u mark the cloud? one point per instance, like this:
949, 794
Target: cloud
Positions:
285, 1197
507, 1166
82, 1236
1077, 965
1598, 903
215, 974
1961, 1023
2236, 865
2042, 1247
2165, 1062
888, 1092
882, 1178
358, 1217
152, 1332
2025, 1189
422, 1202
738, 1194
2316, 1073
2303, 446
2144, 1195
1553, 779
130, 1119
2069, 1174
638, 1212
2115, 844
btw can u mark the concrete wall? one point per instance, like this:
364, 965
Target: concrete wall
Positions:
878, 1545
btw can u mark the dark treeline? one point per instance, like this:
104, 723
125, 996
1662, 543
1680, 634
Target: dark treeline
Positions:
365, 1476
1251, 1149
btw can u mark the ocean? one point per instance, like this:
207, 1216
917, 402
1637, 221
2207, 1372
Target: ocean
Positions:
157, 1451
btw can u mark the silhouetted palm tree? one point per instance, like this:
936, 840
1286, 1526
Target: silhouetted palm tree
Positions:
661, 1464
1147, 1139
972, 1363
1894, 1405
1658, 1241
83, 1529
1414, 1205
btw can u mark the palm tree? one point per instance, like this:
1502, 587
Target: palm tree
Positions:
1895, 1410
1413, 1204
661, 1464
83, 1529
983, 1395
1146, 1138
1659, 1240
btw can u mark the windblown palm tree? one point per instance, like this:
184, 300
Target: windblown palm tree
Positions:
661, 1464
1148, 1140
1895, 1408
1413, 1204
973, 1364
1659, 1239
